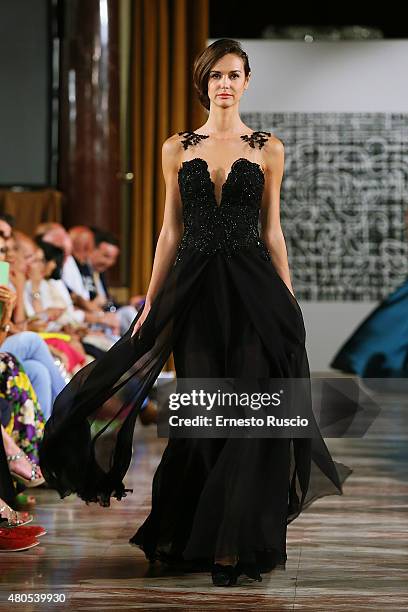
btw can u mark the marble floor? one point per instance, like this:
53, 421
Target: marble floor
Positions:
346, 553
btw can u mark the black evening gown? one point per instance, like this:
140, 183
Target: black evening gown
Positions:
224, 311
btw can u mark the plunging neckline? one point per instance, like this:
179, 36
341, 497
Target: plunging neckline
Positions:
228, 176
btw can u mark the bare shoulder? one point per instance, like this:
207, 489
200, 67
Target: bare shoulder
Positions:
273, 146
171, 152
273, 153
172, 145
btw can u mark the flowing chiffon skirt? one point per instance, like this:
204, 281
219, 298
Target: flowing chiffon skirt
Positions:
221, 316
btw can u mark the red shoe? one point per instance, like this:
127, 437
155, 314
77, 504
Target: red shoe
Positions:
34, 531
11, 543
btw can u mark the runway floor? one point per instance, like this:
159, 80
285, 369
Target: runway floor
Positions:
344, 552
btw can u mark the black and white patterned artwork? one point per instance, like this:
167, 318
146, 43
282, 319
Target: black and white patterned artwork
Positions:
344, 201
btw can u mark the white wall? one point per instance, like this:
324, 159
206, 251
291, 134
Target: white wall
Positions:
327, 325
327, 76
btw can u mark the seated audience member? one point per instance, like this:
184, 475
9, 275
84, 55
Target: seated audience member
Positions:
103, 256
47, 299
29, 348
53, 291
25, 420
34, 354
22, 255
38, 295
56, 234
93, 315
14, 535
77, 277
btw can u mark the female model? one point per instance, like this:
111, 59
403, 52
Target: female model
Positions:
220, 298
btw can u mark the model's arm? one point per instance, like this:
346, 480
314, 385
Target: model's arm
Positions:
172, 228
271, 230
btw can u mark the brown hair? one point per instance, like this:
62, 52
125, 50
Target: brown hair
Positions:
206, 60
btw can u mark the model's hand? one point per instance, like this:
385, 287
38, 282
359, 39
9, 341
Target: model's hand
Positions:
141, 320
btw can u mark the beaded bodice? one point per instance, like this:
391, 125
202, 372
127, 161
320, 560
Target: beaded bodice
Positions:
232, 224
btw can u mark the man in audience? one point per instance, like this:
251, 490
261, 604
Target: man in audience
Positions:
56, 234
104, 256
78, 277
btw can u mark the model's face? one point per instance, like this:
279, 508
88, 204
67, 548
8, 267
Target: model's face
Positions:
104, 256
227, 76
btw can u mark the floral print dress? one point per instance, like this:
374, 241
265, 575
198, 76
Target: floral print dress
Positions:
26, 424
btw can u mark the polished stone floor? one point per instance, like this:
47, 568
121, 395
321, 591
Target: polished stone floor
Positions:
346, 553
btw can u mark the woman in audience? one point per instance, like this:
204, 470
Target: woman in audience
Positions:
53, 293
22, 468
56, 234
47, 298
14, 496
25, 422
45, 293
30, 349
14, 535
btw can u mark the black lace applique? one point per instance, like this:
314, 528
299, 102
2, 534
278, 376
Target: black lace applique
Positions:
191, 138
257, 137
230, 226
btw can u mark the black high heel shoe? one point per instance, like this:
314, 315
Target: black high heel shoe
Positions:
249, 569
224, 575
